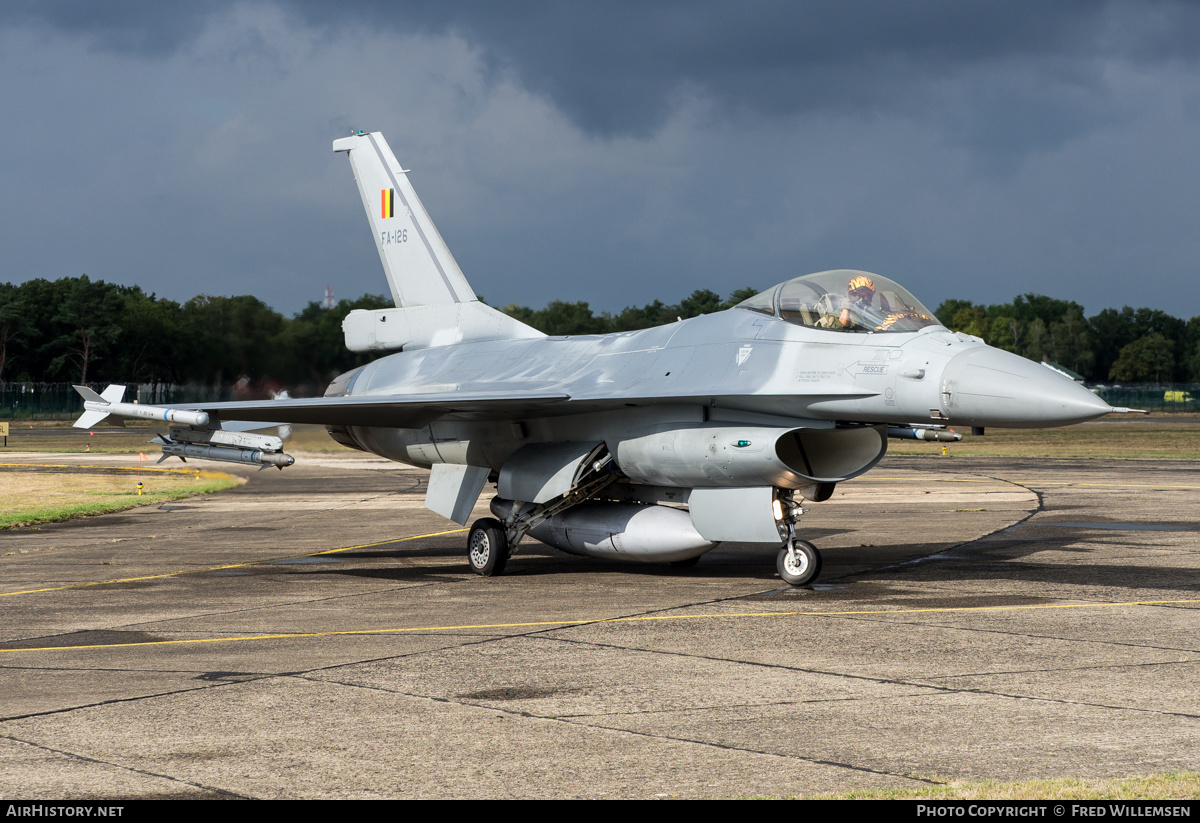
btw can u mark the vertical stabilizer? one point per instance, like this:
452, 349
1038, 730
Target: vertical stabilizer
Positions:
419, 267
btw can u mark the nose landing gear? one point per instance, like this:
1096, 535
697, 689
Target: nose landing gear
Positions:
798, 563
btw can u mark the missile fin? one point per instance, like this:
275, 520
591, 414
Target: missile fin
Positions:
89, 418
88, 394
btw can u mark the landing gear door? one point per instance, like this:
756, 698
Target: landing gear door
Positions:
454, 490
742, 515
540, 472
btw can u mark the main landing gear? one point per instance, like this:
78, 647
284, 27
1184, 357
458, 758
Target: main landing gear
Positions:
487, 547
491, 542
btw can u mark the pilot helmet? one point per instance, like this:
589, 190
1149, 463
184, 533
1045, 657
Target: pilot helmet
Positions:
862, 288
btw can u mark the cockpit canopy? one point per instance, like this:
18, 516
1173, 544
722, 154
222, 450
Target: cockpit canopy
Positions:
843, 300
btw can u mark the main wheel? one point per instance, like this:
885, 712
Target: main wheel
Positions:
801, 570
487, 547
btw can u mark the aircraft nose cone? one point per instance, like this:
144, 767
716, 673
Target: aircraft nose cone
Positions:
991, 387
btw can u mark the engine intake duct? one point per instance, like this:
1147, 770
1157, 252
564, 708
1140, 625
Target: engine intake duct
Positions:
732, 455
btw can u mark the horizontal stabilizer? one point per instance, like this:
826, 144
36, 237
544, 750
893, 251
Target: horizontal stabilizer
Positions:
423, 327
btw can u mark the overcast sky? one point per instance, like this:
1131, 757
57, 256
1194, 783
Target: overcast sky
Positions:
607, 151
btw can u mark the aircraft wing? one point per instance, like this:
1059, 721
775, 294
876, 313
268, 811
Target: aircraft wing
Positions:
418, 409
403, 411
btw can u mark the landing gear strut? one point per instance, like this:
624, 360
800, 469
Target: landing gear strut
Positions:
798, 562
487, 547
491, 542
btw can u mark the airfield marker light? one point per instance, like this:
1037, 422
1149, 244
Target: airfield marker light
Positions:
140, 487
943, 451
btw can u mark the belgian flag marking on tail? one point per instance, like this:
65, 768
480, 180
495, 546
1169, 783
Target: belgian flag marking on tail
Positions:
388, 203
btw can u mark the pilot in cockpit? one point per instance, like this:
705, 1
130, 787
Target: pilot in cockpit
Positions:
857, 308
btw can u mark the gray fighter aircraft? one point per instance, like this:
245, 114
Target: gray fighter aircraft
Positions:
650, 445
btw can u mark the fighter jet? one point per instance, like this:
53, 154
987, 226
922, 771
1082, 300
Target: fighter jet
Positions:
652, 445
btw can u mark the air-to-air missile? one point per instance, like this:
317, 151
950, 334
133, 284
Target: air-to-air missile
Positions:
227, 446
917, 433
99, 406
193, 438
250, 457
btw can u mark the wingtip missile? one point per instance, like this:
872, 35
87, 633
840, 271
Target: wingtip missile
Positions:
99, 406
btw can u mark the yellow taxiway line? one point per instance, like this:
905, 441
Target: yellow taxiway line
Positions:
229, 566
598, 620
1018, 482
84, 467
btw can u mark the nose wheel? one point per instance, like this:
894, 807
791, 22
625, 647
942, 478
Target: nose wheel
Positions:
798, 563
487, 547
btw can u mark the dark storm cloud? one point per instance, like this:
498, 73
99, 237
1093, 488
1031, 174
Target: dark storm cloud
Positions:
614, 152
621, 67
142, 27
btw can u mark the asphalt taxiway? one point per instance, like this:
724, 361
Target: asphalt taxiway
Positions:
315, 633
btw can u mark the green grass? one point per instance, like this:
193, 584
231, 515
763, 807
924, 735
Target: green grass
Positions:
31, 498
1157, 437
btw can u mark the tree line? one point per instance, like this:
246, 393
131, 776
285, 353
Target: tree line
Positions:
81, 330
87, 331
1126, 345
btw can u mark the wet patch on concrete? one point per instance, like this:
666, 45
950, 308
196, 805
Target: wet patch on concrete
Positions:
513, 693
981, 602
1133, 527
303, 561
228, 677
827, 593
